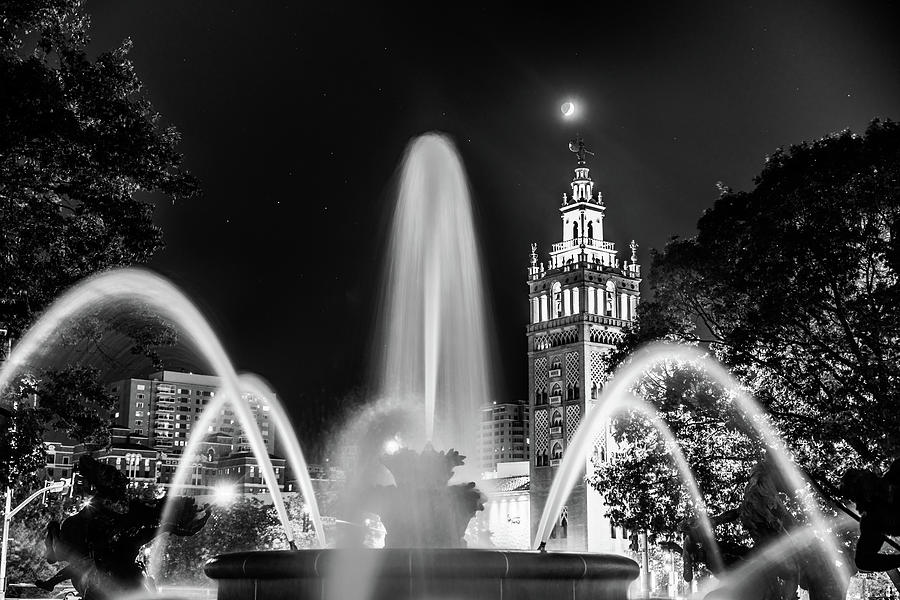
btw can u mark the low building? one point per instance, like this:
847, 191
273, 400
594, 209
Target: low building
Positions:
507, 513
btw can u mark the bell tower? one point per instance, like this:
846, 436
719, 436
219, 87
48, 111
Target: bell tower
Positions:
580, 301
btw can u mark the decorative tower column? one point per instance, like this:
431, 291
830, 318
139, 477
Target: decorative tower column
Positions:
589, 300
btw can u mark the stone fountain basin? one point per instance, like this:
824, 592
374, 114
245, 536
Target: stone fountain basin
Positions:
420, 574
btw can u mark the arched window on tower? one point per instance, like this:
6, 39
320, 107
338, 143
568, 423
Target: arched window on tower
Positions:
576, 392
595, 391
556, 452
590, 230
570, 392
556, 390
575, 230
561, 528
556, 419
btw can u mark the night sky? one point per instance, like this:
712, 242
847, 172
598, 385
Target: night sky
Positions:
295, 117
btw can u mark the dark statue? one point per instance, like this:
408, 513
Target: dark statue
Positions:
765, 517
422, 510
102, 541
878, 503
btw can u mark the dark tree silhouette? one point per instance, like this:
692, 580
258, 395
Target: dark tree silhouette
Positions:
80, 150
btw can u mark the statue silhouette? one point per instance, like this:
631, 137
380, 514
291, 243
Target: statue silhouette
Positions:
878, 502
764, 516
422, 510
102, 541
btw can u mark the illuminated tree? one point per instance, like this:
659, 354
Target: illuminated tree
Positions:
794, 286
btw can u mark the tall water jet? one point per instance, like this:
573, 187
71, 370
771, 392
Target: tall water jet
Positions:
435, 359
433, 321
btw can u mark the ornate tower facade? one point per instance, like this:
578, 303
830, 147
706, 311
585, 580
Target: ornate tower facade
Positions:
580, 301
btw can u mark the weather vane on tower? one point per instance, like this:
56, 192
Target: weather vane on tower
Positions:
577, 146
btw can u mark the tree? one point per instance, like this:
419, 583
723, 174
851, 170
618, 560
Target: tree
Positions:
793, 286
79, 142
246, 524
72, 400
27, 562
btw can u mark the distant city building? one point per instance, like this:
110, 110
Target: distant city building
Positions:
504, 434
128, 452
165, 407
156, 417
580, 300
61, 459
242, 471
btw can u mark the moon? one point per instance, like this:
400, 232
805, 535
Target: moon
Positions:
567, 109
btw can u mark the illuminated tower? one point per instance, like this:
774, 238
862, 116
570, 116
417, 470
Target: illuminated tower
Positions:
580, 301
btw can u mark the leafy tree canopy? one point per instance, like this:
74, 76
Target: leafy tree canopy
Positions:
80, 145
78, 141
793, 286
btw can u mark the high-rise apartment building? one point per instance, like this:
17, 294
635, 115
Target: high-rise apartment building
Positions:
166, 406
504, 434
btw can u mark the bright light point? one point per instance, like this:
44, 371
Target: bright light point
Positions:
224, 493
568, 109
392, 446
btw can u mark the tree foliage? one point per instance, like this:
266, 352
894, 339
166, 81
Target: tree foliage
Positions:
26, 561
793, 286
246, 524
79, 140
80, 150
72, 400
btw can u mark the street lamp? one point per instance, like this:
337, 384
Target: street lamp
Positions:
224, 493
10, 512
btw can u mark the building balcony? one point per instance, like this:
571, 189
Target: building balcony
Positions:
579, 318
556, 430
592, 243
630, 270
554, 373
554, 462
555, 400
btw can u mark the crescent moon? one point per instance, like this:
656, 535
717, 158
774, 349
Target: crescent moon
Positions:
567, 109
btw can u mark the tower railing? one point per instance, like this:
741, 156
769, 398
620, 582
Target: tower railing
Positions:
630, 269
581, 317
588, 243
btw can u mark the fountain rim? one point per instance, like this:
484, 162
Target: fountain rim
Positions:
423, 562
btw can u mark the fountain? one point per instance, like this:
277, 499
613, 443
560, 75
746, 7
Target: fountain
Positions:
435, 361
435, 358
